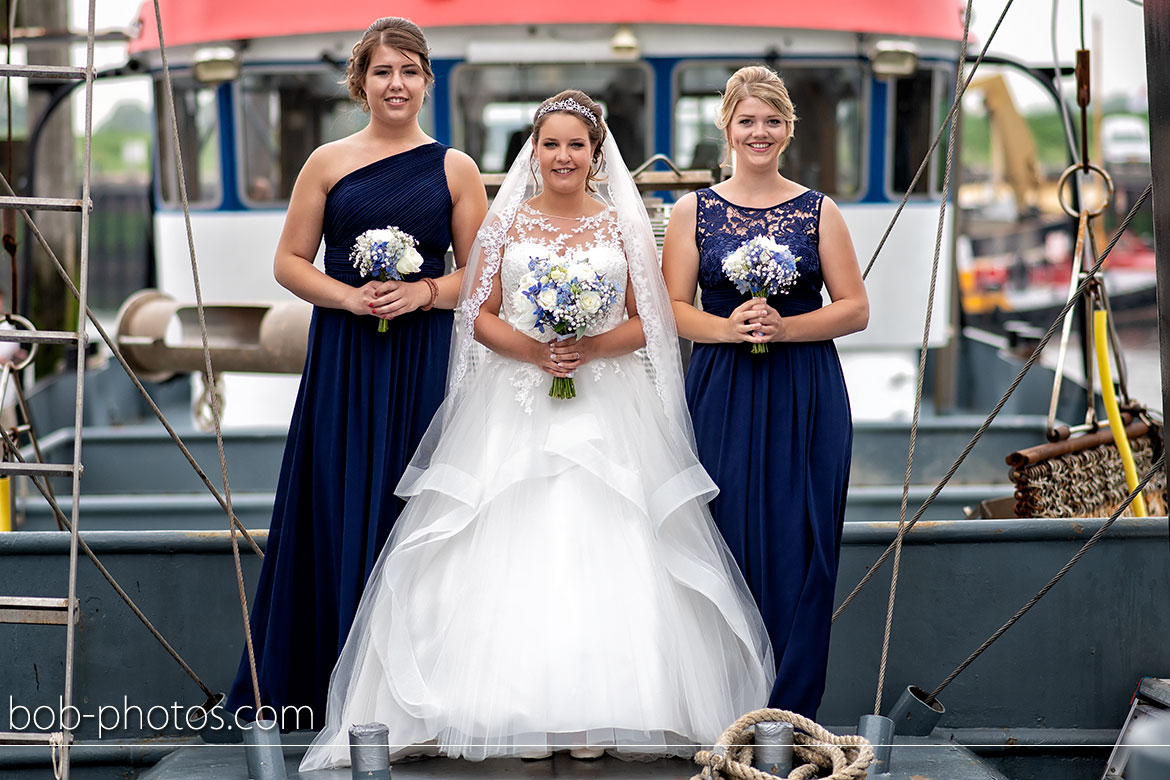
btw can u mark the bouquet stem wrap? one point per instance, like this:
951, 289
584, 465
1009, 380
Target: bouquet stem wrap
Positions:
562, 386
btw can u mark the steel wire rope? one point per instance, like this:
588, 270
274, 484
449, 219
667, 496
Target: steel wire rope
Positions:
942, 213
934, 144
1088, 545
1035, 356
58, 514
41, 485
117, 354
209, 377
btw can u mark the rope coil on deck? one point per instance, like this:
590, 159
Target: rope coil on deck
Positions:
846, 757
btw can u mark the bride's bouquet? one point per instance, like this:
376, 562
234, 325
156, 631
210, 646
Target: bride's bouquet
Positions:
385, 254
761, 268
565, 298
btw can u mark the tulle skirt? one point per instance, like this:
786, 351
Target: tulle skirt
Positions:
554, 581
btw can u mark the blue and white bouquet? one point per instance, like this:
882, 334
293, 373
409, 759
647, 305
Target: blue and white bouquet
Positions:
566, 298
385, 254
761, 268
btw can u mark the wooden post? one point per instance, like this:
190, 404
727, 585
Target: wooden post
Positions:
50, 305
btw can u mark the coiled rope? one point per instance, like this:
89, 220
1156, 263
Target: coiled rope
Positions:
845, 757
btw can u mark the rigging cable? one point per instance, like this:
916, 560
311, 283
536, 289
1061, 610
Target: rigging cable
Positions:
934, 144
1031, 361
209, 376
1088, 545
922, 353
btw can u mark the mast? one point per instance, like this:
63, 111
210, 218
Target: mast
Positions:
1157, 18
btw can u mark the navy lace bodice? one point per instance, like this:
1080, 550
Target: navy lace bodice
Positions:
721, 227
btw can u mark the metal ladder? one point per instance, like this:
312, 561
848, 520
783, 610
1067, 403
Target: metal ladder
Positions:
1152, 698
39, 610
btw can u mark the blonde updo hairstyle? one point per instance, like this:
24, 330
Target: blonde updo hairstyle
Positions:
595, 132
763, 84
392, 31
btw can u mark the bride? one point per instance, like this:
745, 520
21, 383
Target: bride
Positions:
555, 581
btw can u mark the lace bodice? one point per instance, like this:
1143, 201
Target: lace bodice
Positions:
721, 227
595, 240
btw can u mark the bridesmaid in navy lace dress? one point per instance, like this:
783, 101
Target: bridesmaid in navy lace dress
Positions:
773, 429
365, 397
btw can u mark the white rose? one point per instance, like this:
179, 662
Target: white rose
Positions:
547, 298
525, 311
590, 302
527, 281
410, 262
558, 274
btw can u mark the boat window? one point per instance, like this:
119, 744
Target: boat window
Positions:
493, 105
916, 101
826, 152
283, 117
195, 108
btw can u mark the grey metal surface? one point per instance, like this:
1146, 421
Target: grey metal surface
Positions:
135, 478
912, 715
1072, 662
147, 512
879, 730
912, 758
1061, 667
1157, 23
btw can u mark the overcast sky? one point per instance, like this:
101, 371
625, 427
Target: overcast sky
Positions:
1024, 35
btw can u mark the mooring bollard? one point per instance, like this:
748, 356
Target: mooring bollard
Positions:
369, 751
912, 715
263, 751
773, 747
879, 730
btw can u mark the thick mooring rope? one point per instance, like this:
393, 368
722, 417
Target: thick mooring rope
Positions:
844, 757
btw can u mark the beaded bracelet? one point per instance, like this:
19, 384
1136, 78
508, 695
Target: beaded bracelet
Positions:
434, 292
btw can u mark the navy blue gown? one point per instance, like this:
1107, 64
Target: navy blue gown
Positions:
365, 400
775, 433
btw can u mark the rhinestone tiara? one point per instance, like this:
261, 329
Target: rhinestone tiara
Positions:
568, 104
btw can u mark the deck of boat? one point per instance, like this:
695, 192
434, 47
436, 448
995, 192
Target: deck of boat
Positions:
913, 758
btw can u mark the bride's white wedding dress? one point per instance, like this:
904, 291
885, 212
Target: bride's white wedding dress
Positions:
555, 579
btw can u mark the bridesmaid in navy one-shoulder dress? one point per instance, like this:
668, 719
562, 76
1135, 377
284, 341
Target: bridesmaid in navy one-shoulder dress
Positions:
774, 429
366, 397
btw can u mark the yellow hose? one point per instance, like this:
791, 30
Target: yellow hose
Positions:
1114, 413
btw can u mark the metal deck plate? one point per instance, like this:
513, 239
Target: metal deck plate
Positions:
914, 758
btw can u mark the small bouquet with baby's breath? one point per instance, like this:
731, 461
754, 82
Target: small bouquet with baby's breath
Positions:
761, 268
385, 254
565, 297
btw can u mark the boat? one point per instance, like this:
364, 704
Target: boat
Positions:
256, 90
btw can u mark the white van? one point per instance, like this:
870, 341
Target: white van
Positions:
1125, 140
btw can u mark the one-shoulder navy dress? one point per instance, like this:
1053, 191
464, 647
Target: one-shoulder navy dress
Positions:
775, 432
365, 400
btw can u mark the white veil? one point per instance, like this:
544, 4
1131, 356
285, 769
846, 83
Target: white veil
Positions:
615, 186
379, 677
